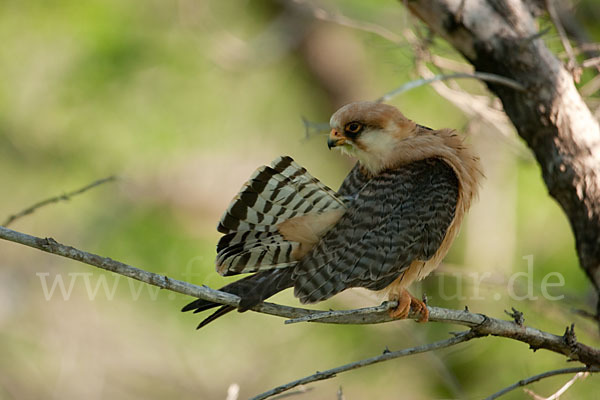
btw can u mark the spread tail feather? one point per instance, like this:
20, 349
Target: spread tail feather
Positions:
219, 313
252, 290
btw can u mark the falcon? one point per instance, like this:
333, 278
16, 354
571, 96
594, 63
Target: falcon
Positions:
391, 222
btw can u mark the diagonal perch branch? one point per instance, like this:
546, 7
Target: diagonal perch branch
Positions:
483, 325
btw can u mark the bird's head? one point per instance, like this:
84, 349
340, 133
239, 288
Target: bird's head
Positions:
369, 131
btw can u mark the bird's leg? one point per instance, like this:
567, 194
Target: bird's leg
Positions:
407, 303
419, 307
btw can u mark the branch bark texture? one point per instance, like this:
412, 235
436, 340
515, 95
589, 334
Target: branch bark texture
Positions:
481, 325
501, 37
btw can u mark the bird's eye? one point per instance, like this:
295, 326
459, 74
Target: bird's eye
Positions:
353, 127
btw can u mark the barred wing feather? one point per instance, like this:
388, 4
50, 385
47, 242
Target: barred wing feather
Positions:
273, 195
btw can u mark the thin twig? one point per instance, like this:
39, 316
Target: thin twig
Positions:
388, 355
496, 118
342, 20
449, 64
484, 76
577, 32
591, 62
483, 325
591, 87
572, 64
475, 107
583, 47
564, 388
414, 42
536, 378
56, 199
587, 314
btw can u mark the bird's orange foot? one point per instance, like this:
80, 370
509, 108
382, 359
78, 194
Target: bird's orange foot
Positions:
407, 303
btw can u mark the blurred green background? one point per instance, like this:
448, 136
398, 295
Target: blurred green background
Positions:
183, 100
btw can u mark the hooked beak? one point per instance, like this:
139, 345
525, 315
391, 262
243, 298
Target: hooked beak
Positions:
335, 139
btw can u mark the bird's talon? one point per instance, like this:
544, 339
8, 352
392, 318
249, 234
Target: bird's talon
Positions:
407, 303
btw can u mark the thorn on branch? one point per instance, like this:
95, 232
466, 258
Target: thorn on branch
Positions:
569, 337
325, 375
424, 298
386, 350
516, 315
467, 309
48, 243
533, 348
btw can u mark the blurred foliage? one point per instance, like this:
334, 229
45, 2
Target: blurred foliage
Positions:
183, 100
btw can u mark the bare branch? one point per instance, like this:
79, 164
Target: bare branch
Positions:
565, 387
387, 355
572, 64
576, 31
483, 325
340, 394
517, 316
475, 106
342, 20
536, 378
56, 199
591, 87
449, 64
467, 102
233, 392
484, 76
591, 62
470, 104
587, 314
385, 306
